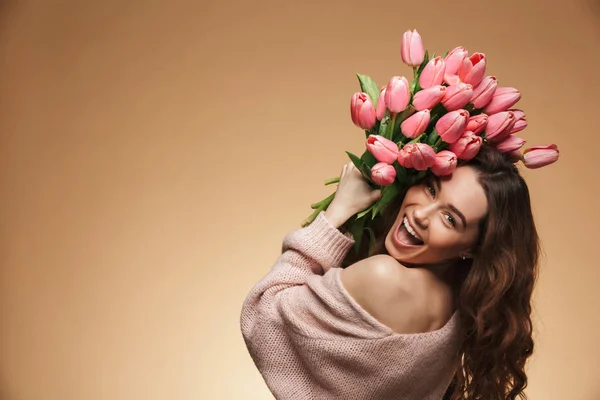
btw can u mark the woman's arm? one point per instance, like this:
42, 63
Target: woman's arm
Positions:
306, 252
303, 293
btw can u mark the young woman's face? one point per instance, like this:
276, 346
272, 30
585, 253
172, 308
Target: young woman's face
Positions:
439, 219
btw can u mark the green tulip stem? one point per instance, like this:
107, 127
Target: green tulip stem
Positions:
332, 180
416, 140
323, 203
320, 206
391, 132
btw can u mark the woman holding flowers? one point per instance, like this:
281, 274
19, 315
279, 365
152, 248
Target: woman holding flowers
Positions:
441, 293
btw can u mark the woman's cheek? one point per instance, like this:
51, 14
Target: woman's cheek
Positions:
442, 238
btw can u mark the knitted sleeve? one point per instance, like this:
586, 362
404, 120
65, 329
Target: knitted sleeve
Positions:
303, 294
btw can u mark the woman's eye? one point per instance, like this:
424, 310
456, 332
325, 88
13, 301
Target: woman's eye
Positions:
431, 190
450, 219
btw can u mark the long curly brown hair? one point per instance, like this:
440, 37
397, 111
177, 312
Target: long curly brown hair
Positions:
493, 290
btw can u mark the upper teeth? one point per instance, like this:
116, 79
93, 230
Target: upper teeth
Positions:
410, 230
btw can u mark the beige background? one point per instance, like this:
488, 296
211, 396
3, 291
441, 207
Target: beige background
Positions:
153, 154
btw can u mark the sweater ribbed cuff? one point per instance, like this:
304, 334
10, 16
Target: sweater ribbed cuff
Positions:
326, 243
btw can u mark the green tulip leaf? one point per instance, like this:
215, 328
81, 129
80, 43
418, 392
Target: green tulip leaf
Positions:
432, 138
361, 166
366, 172
401, 174
357, 231
365, 212
368, 85
383, 126
357, 161
369, 159
388, 195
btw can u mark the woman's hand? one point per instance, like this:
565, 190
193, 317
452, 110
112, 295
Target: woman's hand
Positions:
353, 195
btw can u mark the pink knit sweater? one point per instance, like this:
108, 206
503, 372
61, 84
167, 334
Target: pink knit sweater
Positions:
310, 340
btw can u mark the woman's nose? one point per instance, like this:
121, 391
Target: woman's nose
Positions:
421, 216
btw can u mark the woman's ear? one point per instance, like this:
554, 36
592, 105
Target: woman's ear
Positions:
466, 254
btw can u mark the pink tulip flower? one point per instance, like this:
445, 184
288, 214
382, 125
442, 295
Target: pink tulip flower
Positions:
521, 121
428, 98
445, 163
383, 149
472, 69
381, 107
457, 96
483, 93
518, 113
419, 156
452, 125
362, 111
416, 124
433, 73
499, 126
412, 49
453, 61
383, 174
503, 99
511, 143
467, 146
540, 156
477, 123
397, 94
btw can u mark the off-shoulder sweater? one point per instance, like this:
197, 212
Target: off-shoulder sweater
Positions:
311, 340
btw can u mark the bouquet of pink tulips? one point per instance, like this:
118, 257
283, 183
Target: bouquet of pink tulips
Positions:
448, 111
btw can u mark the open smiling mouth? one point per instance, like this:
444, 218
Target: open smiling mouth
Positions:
406, 235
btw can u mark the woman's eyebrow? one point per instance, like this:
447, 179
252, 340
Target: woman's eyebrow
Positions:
455, 210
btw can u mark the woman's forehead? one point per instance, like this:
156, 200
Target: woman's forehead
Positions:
463, 190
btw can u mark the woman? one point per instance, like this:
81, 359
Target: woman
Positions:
445, 300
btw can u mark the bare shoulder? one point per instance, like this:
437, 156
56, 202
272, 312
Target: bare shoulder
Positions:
395, 295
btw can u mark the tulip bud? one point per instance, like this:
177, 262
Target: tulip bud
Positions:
477, 123
472, 69
419, 156
381, 107
521, 121
383, 174
445, 163
499, 126
503, 99
397, 94
412, 49
453, 61
362, 111
452, 125
511, 143
433, 73
428, 98
457, 96
483, 93
517, 113
383, 149
540, 156
416, 124
467, 146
